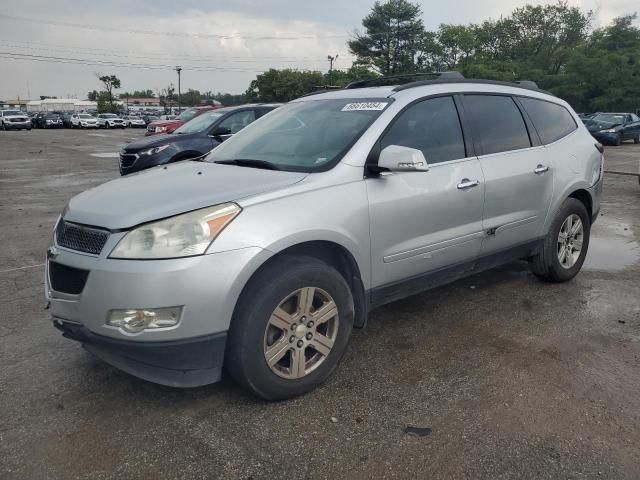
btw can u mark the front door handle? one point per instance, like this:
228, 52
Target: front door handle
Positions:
540, 169
466, 183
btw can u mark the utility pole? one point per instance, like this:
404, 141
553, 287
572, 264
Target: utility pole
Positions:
331, 60
178, 69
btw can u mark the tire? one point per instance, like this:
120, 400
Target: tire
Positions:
636, 140
618, 140
546, 264
250, 332
106, 125
29, 129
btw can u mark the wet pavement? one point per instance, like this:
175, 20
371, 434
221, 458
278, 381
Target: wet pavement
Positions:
500, 375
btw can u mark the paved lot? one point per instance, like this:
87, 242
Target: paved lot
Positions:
516, 378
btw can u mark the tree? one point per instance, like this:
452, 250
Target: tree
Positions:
110, 83
167, 97
92, 96
191, 98
283, 85
139, 94
392, 39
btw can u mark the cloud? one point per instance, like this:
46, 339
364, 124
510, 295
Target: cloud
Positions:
318, 28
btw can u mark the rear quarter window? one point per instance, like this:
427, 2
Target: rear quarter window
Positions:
552, 121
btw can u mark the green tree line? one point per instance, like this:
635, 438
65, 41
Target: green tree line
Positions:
553, 45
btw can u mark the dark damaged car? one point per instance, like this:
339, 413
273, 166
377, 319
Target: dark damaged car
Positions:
614, 128
193, 139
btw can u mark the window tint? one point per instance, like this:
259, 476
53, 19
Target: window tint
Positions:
432, 126
238, 121
497, 123
552, 121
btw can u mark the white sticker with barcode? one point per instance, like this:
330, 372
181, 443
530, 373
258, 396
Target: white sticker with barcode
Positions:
352, 107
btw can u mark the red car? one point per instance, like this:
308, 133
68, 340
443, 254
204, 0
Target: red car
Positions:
168, 126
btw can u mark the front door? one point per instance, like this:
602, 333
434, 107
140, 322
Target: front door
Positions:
518, 176
426, 222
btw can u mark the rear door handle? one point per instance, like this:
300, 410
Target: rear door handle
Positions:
540, 169
466, 183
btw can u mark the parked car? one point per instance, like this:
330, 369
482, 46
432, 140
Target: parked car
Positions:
149, 118
110, 120
134, 121
14, 120
193, 139
83, 120
47, 120
264, 257
614, 128
66, 119
169, 126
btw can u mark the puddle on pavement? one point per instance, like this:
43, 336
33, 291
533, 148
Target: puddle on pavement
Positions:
611, 253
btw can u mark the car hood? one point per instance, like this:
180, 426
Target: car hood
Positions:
155, 141
21, 117
166, 123
597, 126
161, 192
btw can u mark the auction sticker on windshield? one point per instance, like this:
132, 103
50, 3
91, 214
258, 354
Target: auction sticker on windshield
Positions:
350, 107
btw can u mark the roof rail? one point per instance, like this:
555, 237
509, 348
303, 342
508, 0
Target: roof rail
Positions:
382, 81
316, 89
525, 84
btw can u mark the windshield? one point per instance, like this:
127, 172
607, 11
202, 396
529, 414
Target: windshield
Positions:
304, 136
200, 123
12, 112
188, 114
614, 118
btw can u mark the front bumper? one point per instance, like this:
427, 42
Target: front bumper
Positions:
17, 125
207, 288
605, 138
179, 363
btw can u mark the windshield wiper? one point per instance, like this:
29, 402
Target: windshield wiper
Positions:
247, 162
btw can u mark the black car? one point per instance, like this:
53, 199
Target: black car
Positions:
46, 120
193, 139
614, 128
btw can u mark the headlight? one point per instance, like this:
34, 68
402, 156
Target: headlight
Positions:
161, 129
184, 235
609, 130
153, 151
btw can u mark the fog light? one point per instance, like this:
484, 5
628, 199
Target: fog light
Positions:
136, 320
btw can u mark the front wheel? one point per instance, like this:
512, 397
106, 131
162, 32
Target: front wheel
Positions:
636, 139
565, 246
290, 329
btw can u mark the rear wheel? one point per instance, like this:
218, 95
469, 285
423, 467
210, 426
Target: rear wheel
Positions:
565, 246
636, 140
290, 329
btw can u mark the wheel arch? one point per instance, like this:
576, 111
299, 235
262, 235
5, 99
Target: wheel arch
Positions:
334, 254
584, 196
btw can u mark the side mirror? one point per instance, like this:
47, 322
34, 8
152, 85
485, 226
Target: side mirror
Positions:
220, 131
396, 158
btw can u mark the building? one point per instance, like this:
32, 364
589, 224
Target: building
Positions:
61, 105
19, 103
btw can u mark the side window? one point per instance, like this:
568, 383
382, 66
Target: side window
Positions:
552, 121
238, 121
432, 126
497, 123
634, 118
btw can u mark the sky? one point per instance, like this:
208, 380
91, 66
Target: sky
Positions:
221, 45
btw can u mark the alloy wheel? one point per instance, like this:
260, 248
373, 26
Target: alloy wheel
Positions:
301, 333
570, 240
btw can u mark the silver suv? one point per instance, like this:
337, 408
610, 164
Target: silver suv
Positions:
262, 258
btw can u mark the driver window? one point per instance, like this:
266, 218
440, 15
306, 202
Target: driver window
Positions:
238, 121
432, 126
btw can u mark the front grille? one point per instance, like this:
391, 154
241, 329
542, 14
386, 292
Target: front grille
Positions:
151, 129
128, 159
17, 120
65, 279
81, 238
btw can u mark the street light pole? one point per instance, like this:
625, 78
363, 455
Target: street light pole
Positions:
331, 60
178, 69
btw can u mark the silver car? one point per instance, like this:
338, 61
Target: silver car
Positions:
262, 258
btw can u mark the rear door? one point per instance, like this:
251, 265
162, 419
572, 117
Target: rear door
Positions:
631, 128
430, 221
518, 176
